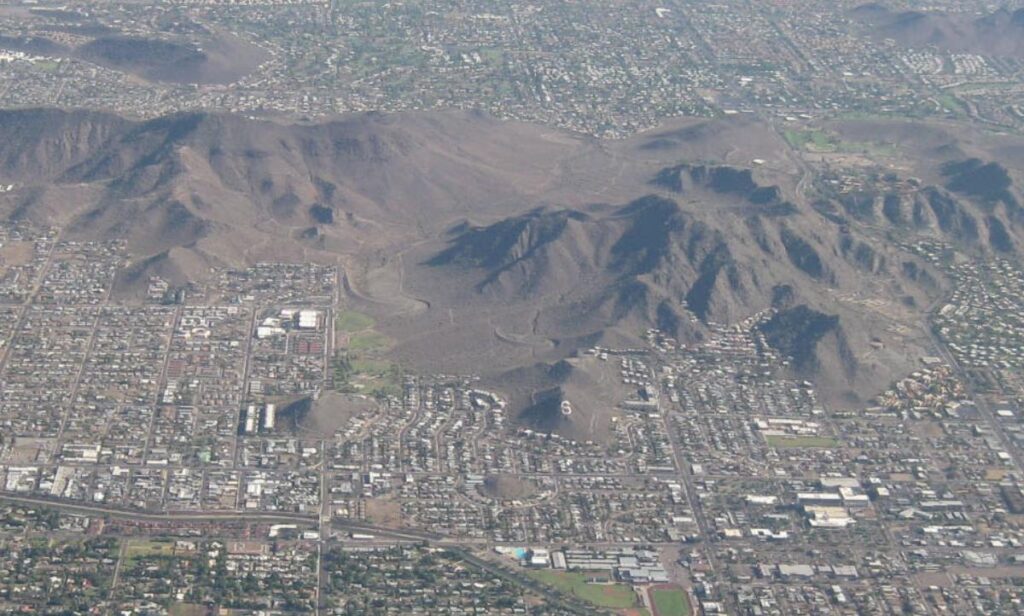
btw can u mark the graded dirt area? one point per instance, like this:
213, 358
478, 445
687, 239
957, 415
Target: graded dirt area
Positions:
16, 253
384, 511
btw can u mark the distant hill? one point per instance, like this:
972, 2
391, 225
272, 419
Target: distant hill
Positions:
1000, 33
222, 61
204, 59
33, 45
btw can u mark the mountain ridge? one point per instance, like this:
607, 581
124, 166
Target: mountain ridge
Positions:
507, 240
999, 33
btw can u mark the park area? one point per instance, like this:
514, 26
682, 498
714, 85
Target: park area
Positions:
609, 595
670, 601
360, 367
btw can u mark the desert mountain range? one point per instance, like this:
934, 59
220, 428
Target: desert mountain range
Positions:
512, 246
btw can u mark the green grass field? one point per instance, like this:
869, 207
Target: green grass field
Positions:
952, 104
48, 66
796, 442
359, 367
811, 140
821, 142
362, 336
368, 341
370, 367
611, 596
144, 548
671, 602
352, 321
377, 376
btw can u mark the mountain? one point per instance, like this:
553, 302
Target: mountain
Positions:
217, 184
511, 245
1000, 33
654, 261
725, 180
718, 243
990, 182
796, 333
220, 61
185, 53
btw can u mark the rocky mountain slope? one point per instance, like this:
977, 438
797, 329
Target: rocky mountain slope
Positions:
211, 183
509, 244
